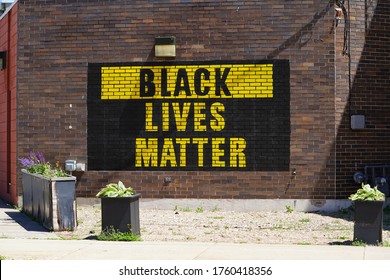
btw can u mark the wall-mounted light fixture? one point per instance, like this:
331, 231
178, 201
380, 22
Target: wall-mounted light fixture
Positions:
71, 165
165, 46
3, 60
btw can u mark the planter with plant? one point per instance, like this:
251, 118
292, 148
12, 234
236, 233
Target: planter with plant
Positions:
49, 194
120, 209
369, 203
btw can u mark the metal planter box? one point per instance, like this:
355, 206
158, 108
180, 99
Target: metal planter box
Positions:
50, 201
121, 214
368, 221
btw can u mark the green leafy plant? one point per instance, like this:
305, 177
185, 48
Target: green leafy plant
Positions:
367, 193
35, 163
115, 190
113, 235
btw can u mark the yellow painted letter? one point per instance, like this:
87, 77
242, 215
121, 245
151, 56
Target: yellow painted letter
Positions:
217, 153
219, 123
237, 155
146, 152
168, 153
149, 118
183, 150
200, 142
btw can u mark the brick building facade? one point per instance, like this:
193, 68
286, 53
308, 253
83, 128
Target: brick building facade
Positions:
8, 144
187, 122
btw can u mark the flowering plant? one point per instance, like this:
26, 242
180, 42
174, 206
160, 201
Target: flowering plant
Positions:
35, 163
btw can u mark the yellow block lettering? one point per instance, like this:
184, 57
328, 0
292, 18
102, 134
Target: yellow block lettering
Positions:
199, 116
165, 117
181, 116
219, 123
217, 153
146, 152
168, 153
183, 150
200, 142
149, 118
237, 155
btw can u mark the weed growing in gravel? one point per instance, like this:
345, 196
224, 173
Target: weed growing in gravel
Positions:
359, 243
303, 243
185, 209
342, 238
385, 244
113, 235
217, 217
289, 209
306, 220
2, 258
199, 210
279, 226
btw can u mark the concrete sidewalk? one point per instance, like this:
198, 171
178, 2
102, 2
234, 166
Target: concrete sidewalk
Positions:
22, 238
29, 249
14, 224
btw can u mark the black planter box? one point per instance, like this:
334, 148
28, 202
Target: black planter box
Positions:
50, 201
368, 221
121, 214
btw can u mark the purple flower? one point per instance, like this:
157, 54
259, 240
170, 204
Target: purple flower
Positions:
32, 159
41, 158
35, 163
26, 162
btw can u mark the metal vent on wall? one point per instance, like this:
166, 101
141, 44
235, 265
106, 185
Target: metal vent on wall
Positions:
375, 175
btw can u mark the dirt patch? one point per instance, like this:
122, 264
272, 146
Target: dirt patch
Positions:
279, 227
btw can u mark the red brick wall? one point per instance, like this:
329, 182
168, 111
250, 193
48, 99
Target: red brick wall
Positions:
58, 40
8, 43
368, 95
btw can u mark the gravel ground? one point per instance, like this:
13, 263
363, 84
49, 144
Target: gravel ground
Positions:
281, 227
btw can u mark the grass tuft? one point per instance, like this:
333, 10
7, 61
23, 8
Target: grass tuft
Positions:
113, 235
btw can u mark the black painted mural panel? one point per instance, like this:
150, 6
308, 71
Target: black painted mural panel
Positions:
224, 115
